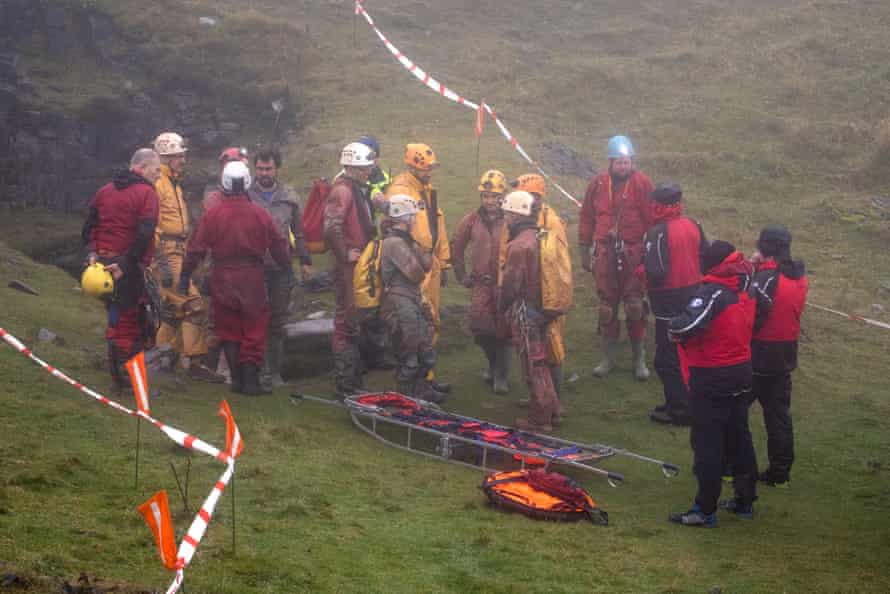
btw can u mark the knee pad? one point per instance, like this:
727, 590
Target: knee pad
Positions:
606, 314
635, 309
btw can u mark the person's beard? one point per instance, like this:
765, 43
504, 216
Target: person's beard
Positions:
621, 177
266, 182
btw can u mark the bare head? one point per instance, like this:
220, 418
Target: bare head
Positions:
147, 163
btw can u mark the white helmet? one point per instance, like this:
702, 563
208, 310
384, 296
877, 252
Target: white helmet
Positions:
169, 143
235, 177
519, 202
400, 205
356, 154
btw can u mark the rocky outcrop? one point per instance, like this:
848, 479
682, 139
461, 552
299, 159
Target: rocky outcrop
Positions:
55, 158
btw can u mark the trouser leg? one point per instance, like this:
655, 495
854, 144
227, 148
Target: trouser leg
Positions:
707, 437
774, 394
488, 345
278, 290
667, 366
740, 450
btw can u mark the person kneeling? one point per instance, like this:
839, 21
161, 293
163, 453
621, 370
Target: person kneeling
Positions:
715, 332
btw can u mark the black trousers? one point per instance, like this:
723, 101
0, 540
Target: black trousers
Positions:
720, 431
774, 394
667, 366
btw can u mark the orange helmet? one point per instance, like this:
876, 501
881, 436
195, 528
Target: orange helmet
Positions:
531, 182
493, 181
420, 156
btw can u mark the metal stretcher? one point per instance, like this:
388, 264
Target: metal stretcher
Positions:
423, 428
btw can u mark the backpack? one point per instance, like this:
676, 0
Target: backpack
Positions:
367, 284
542, 495
313, 216
557, 285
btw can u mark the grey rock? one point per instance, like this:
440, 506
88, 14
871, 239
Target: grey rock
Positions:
24, 288
44, 335
207, 21
314, 327
317, 315
877, 308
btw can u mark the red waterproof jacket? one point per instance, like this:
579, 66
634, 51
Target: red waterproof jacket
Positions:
781, 293
608, 205
715, 330
672, 260
116, 214
237, 233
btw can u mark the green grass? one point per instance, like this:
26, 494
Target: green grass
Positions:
764, 111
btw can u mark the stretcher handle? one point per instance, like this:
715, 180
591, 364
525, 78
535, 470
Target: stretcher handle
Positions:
670, 470
614, 479
299, 398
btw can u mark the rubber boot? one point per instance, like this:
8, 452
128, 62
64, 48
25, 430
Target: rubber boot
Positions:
271, 375
347, 372
501, 369
211, 359
641, 372
487, 344
232, 351
607, 364
116, 369
250, 379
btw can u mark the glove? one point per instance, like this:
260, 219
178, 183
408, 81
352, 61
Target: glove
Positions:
183, 287
468, 281
444, 279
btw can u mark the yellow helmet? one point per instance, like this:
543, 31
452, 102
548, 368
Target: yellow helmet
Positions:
420, 156
96, 281
493, 181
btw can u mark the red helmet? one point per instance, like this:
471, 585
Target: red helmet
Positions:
233, 153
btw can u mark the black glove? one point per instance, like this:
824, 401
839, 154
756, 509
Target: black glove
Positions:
444, 279
183, 287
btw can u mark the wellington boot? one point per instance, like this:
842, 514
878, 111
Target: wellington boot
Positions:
501, 370
250, 378
641, 372
232, 351
607, 364
426, 391
271, 374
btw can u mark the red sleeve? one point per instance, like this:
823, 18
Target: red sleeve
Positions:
586, 219
459, 242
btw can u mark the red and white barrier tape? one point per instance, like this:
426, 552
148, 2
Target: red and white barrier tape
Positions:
424, 77
199, 525
855, 317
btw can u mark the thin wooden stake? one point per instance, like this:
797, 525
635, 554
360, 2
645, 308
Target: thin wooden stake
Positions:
138, 439
232, 487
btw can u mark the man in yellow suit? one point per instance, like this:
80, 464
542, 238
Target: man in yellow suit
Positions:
428, 229
184, 323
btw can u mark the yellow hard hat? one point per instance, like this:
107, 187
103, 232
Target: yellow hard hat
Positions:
420, 156
96, 281
493, 181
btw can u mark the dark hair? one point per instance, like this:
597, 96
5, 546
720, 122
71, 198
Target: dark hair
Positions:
268, 154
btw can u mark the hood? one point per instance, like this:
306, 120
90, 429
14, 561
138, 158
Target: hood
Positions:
125, 178
665, 212
793, 269
733, 272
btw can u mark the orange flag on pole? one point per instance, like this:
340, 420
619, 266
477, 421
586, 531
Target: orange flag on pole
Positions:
136, 369
156, 512
480, 118
234, 445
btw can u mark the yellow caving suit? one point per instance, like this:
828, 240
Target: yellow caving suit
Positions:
549, 220
422, 232
183, 321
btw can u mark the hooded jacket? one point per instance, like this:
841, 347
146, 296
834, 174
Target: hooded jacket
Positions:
672, 259
715, 330
780, 290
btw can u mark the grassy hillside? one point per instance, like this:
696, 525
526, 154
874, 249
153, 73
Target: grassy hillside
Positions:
764, 111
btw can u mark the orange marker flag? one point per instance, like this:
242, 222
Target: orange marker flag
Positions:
234, 445
136, 369
480, 118
156, 512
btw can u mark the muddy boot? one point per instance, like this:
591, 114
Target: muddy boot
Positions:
232, 351
116, 370
250, 380
426, 391
501, 369
641, 372
271, 375
200, 372
347, 372
607, 364
211, 359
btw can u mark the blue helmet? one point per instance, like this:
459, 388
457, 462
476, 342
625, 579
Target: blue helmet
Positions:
370, 142
620, 146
